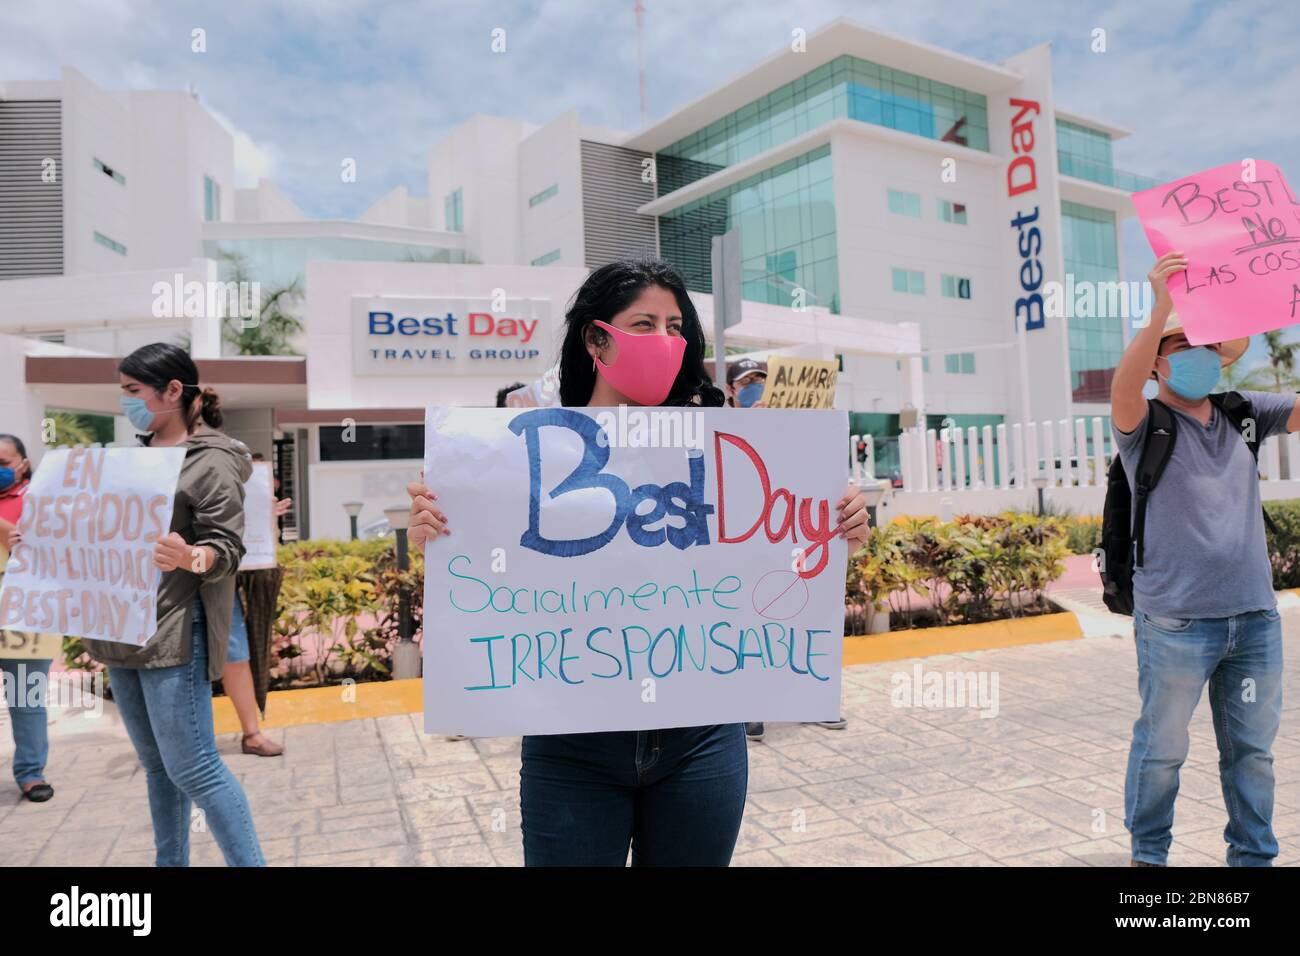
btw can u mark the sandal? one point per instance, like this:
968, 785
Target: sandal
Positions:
267, 749
39, 792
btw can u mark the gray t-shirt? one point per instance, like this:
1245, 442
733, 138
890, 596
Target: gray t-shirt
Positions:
1205, 554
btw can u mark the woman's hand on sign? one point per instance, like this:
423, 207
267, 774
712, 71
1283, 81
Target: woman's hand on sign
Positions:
15, 536
173, 551
853, 517
1165, 266
281, 506
427, 521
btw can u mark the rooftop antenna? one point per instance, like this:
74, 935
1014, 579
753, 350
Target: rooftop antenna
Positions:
640, 54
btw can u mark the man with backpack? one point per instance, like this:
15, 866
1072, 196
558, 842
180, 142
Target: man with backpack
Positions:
1202, 588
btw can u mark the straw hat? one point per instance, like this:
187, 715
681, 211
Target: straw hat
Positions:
1229, 351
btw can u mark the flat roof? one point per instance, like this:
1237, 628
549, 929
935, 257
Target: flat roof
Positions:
1070, 116
838, 38
102, 370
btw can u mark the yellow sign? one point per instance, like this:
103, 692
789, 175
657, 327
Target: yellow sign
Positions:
800, 382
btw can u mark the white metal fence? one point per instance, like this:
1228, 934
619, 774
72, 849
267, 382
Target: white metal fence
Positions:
992, 467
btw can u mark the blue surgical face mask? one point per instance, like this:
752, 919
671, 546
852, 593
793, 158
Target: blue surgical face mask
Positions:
1193, 373
748, 395
7, 477
136, 412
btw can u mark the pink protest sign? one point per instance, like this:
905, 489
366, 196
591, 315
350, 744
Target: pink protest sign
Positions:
1239, 226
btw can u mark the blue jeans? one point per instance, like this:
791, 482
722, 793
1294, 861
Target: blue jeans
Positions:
168, 713
676, 796
31, 731
1241, 657
238, 652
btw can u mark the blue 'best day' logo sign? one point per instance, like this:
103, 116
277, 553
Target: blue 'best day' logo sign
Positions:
467, 336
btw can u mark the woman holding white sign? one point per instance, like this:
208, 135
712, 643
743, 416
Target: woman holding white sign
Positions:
675, 795
27, 675
164, 689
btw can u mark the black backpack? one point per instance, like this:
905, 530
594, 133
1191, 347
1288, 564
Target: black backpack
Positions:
1122, 528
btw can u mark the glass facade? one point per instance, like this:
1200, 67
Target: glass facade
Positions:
1085, 153
453, 211
1097, 340
277, 262
211, 199
845, 88
786, 218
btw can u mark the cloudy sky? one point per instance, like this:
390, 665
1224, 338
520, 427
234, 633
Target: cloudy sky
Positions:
305, 83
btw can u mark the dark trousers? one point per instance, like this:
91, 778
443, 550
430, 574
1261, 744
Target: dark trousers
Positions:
675, 796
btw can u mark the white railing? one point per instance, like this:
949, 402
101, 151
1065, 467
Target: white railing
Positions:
1069, 453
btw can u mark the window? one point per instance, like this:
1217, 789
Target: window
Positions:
954, 212
453, 212
103, 240
904, 204
547, 259
959, 363
786, 219
909, 281
109, 172
371, 441
954, 287
211, 199
544, 195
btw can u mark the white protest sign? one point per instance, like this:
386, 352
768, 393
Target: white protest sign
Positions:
260, 532
85, 564
592, 583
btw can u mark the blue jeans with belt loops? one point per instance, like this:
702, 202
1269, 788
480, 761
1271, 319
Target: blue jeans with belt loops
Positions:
1241, 658
168, 715
675, 796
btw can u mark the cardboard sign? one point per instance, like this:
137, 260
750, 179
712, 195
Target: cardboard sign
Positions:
630, 569
24, 645
260, 531
1239, 225
85, 565
800, 383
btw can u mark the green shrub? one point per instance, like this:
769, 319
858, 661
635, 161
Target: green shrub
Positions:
1284, 547
973, 568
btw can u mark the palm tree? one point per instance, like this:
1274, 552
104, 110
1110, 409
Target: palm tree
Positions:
1277, 376
276, 325
71, 429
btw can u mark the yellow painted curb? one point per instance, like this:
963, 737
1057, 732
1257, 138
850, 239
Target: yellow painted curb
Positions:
929, 641
327, 705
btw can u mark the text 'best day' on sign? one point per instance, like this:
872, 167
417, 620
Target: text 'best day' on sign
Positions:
1239, 226
85, 565
631, 569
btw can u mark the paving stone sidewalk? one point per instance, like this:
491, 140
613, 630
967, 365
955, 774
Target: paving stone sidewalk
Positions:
1040, 784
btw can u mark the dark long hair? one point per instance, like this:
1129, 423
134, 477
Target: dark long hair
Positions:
158, 364
21, 449
608, 291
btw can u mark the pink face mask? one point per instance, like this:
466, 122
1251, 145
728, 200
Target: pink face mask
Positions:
647, 365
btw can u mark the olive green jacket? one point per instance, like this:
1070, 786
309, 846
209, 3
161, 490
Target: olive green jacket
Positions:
209, 510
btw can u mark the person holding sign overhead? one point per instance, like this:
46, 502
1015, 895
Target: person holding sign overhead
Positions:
30, 723
675, 795
164, 689
1201, 588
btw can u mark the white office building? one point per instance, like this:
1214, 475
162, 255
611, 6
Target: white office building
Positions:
900, 207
